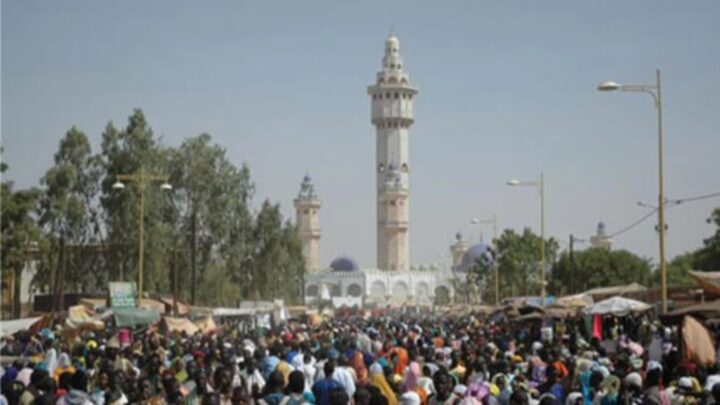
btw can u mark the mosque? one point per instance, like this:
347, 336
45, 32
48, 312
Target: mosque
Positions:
392, 281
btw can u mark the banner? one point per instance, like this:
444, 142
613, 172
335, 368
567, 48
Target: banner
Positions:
122, 295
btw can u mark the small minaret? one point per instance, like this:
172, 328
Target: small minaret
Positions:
457, 250
601, 239
307, 206
392, 114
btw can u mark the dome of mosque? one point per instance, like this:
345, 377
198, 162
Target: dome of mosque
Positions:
480, 252
344, 263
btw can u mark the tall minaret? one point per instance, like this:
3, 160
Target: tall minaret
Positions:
307, 206
392, 115
457, 250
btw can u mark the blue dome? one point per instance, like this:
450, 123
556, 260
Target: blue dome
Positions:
344, 263
479, 252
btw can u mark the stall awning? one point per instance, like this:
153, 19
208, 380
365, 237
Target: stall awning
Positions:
130, 317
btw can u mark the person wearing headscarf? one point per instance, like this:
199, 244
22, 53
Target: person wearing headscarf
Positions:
412, 376
63, 366
410, 398
399, 360
358, 364
51, 360
632, 393
378, 380
610, 387
574, 398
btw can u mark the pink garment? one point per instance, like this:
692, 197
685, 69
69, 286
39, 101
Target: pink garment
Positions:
597, 326
124, 337
412, 376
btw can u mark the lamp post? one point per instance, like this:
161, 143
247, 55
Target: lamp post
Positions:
143, 179
540, 183
655, 91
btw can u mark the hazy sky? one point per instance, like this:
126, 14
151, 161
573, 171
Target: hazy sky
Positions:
507, 89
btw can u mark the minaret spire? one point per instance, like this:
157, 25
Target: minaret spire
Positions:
392, 114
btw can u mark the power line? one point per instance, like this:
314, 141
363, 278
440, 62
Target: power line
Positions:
696, 198
670, 203
634, 224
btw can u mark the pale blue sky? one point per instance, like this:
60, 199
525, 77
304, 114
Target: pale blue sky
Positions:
507, 89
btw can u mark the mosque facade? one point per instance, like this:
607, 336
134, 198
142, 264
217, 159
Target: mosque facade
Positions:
392, 281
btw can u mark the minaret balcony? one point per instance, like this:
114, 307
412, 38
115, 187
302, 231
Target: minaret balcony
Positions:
396, 225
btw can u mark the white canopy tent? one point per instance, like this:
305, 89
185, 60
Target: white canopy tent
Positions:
618, 306
16, 325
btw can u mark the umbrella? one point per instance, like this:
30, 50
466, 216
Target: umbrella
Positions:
617, 306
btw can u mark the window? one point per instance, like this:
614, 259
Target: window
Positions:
404, 167
397, 96
387, 95
399, 66
307, 211
392, 66
381, 168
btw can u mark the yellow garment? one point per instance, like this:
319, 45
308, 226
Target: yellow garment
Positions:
458, 372
284, 368
379, 381
60, 371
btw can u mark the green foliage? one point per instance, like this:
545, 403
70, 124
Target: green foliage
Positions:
69, 217
128, 151
480, 279
518, 261
707, 258
678, 270
19, 229
598, 267
277, 265
88, 232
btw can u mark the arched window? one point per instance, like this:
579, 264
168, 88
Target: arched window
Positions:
404, 167
392, 79
397, 96
381, 168
354, 290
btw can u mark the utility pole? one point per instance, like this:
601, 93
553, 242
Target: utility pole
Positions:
193, 261
572, 265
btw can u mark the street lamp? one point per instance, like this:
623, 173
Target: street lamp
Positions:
540, 183
655, 91
143, 179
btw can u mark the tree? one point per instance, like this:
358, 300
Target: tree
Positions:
212, 197
126, 152
678, 270
598, 267
480, 278
518, 260
707, 258
277, 261
69, 217
19, 231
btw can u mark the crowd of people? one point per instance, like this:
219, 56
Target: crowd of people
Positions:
420, 360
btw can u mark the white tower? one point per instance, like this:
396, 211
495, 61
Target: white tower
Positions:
392, 115
307, 206
601, 239
457, 250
